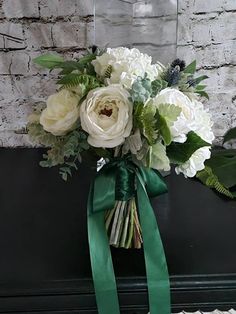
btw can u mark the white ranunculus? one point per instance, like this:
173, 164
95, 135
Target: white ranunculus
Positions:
106, 115
184, 123
127, 65
61, 113
195, 163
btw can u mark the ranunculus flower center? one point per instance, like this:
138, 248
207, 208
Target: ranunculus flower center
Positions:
106, 112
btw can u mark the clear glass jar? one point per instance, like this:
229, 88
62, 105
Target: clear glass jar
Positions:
149, 25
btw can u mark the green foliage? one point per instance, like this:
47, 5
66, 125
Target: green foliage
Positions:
141, 90
88, 82
230, 135
64, 151
223, 164
163, 128
52, 61
158, 158
144, 118
157, 86
38, 135
207, 177
170, 112
179, 153
189, 84
49, 61
191, 68
102, 152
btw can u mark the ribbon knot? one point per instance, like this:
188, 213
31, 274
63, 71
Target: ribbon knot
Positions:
117, 180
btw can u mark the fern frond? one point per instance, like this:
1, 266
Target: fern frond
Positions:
74, 79
207, 177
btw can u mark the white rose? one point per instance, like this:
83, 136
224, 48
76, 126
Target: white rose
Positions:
106, 115
61, 113
127, 65
184, 123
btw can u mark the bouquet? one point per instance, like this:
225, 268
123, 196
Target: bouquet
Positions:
138, 118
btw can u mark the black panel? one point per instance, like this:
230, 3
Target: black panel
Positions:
44, 264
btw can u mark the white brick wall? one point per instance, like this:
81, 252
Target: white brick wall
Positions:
206, 31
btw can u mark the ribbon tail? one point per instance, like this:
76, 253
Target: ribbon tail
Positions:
156, 267
101, 262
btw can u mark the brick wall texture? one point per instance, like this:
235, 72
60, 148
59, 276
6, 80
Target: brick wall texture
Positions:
206, 32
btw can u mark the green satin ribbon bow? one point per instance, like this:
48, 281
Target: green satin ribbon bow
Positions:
121, 179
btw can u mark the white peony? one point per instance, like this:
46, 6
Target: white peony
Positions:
127, 65
203, 123
203, 127
106, 115
61, 113
195, 163
184, 123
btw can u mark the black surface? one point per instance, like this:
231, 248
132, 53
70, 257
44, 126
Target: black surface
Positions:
44, 264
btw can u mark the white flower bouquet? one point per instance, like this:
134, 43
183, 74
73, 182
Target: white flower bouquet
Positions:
137, 118
118, 103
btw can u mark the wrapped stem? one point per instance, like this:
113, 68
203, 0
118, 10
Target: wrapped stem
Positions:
122, 224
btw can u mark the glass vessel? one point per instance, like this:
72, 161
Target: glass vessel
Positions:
149, 25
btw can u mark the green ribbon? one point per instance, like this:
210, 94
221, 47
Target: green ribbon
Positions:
121, 179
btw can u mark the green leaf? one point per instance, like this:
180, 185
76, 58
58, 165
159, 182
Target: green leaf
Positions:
157, 86
181, 152
163, 128
230, 135
223, 164
49, 61
170, 112
191, 68
149, 123
70, 66
158, 157
202, 93
200, 87
200, 78
144, 119
102, 153
83, 61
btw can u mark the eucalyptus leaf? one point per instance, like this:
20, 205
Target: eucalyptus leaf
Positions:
181, 152
230, 135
